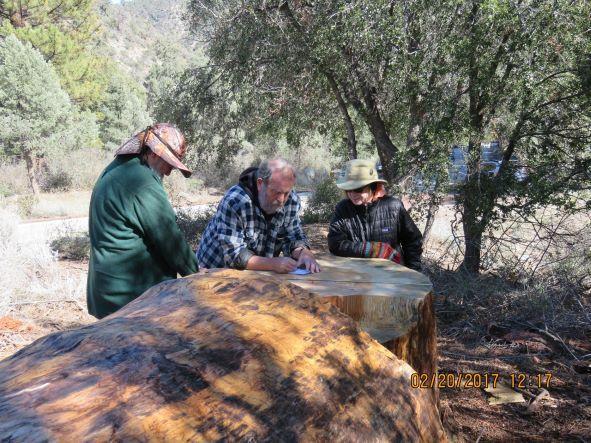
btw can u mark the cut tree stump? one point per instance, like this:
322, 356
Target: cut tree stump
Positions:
224, 355
392, 303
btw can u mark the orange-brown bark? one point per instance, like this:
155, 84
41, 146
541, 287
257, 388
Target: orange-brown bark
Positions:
223, 355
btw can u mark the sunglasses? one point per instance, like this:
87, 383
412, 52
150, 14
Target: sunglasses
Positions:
359, 190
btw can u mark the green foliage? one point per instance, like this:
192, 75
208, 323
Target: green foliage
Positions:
72, 246
419, 77
323, 201
170, 59
69, 35
5, 190
64, 31
122, 111
25, 204
295, 68
36, 114
519, 66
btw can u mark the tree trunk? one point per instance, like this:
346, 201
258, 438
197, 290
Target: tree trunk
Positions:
386, 149
31, 162
473, 250
431, 213
418, 347
473, 228
218, 356
351, 139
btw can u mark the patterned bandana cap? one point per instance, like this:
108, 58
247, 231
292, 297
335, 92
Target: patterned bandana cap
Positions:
164, 140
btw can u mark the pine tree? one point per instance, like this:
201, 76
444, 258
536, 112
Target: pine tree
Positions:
122, 111
36, 114
64, 31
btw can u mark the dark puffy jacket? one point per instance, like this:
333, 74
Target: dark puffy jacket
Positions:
385, 220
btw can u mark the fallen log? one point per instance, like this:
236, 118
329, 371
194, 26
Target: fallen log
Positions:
216, 356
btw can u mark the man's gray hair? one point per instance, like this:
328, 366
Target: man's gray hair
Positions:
268, 167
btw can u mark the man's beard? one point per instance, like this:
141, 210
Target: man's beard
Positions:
270, 208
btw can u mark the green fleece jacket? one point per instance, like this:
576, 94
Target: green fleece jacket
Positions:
135, 241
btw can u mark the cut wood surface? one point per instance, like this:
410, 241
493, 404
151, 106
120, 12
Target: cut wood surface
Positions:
394, 304
221, 355
382, 296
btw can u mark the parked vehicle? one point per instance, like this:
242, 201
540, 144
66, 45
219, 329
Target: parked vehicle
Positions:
457, 169
491, 157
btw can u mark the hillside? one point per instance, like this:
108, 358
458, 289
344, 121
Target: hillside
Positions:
135, 31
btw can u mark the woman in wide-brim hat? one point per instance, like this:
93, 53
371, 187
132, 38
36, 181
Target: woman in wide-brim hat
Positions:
368, 223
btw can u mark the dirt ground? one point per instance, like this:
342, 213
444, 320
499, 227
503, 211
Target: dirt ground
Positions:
562, 411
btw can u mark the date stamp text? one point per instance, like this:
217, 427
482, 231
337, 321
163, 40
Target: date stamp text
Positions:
482, 380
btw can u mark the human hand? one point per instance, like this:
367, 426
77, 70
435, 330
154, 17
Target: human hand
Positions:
307, 260
283, 265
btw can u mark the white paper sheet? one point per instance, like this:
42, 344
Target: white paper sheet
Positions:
300, 272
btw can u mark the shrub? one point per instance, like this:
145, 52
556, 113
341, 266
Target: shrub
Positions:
25, 204
74, 170
5, 190
176, 187
194, 184
57, 181
555, 295
323, 201
193, 222
30, 272
72, 246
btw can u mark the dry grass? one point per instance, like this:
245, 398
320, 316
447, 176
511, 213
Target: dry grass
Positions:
30, 271
33, 277
538, 271
79, 169
13, 179
62, 204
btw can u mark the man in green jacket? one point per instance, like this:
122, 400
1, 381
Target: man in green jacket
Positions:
135, 240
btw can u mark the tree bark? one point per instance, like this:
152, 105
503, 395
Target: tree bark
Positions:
31, 162
431, 213
387, 151
351, 139
390, 302
218, 356
472, 219
418, 347
473, 248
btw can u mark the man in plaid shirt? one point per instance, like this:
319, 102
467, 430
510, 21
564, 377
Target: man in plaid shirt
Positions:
257, 220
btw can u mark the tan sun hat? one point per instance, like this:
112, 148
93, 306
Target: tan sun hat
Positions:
357, 174
165, 140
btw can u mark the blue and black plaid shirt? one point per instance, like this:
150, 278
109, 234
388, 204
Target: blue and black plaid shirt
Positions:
240, 230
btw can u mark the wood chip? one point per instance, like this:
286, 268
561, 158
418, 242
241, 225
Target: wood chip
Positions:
503, 394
